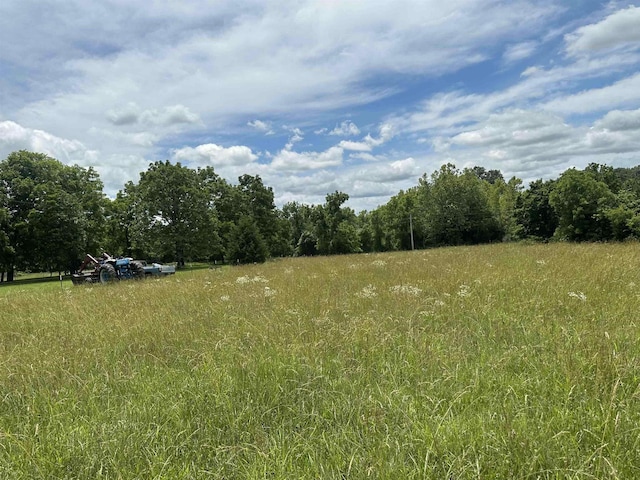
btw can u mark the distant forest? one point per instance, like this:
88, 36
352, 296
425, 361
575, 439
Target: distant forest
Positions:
52, 214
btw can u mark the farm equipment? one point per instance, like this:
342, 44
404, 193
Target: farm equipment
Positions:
108, 269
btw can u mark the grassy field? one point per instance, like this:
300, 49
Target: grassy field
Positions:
505, 361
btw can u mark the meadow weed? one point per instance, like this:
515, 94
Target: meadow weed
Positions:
498, 361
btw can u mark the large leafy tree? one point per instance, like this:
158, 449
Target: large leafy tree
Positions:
172, 215
258, 201
402, 215
335, 226
580, 200
55, 212
457, 208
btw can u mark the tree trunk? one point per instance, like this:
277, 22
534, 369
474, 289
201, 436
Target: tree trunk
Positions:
10, 274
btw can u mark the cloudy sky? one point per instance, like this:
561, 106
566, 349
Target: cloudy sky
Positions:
362, 96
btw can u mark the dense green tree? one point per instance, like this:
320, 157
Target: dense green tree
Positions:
59, 228
624, 217
458, 210
365, 231
300, 220
119, 223
247, 243
580, 201
489, 176
402, 215
55, 212
604, 174
381, 235
173, 219
259, 201
535, 215
6, 250
504, 198
332, 223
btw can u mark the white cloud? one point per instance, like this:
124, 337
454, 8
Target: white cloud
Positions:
261, 126
519, 51
212, 154
131, 84
345, 129
296, 136
618, 29
131, 114
391, 172
15, 137
294, 161
386, 133
355, 146
622, 93
618, 120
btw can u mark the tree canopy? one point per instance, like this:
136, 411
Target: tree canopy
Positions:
51, 214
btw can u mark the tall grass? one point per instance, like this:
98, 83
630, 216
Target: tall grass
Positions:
502, 361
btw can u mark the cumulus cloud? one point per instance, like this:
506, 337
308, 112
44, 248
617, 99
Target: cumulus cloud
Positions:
621, 28
215, 155
391, 172
294, 161
345, 129
16, 137
130, 95
386, 133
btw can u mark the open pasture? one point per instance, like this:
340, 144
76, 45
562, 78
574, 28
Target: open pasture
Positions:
502, 361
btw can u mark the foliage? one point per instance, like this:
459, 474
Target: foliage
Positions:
580, 200
172, 217
53, 213
247, 244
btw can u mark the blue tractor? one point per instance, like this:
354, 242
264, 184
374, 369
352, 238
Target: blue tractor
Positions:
108, 269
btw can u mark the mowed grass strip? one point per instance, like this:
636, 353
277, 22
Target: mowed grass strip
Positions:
504, 361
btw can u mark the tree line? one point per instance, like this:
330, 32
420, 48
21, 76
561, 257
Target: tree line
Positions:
51, 214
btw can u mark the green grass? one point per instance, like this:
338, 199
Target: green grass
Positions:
503, 361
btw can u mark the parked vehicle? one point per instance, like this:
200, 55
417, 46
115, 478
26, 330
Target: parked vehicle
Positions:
109, 269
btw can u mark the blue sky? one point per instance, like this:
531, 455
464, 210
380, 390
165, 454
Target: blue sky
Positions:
322, 95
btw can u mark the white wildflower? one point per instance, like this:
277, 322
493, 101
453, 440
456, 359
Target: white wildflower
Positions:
464, 291
225, 298
378, 263
256, 279
268, 292
439, 303
405, 290
579, 295
541, 262
367, 292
